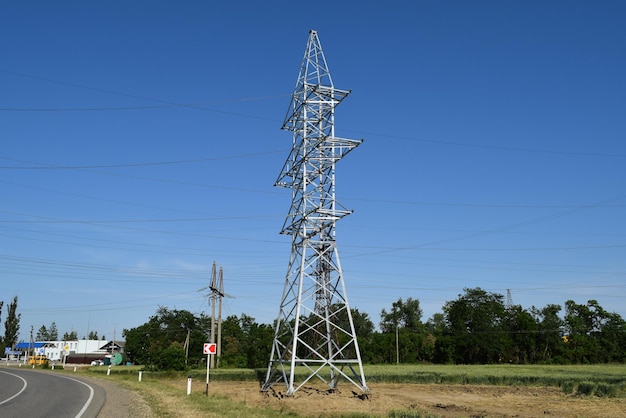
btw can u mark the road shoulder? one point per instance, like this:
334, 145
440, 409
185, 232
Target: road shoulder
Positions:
121, 402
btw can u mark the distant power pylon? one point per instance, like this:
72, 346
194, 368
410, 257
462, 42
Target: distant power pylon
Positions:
509, 299
315, 333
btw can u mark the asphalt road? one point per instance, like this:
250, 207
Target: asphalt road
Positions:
33, 393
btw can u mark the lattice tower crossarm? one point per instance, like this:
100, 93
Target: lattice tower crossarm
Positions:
314, 330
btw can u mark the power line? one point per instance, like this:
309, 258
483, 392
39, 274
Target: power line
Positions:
473, 205
121, 108
169, 104
45, 219
485, 146
45, 166
117, 93
504, 228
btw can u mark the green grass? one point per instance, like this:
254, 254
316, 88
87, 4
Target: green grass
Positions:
606, 380
164, 396
157, 388
602, 380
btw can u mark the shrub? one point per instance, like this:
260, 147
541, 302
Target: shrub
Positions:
172, 358
606, 390
568, 386
585, 388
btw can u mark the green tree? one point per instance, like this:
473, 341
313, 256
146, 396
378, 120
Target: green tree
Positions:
245, 343
259, 340
475, 325
613, 338
171, 358
141, 344
364, 329
234, 342
548, 339
436, 347
53, 332
436, 324
12, 324
146, 344
404, 322
50, 333
70, 336
521, 328
93, 335
42, 334
363, 325
402, 315
581, 326
593, 335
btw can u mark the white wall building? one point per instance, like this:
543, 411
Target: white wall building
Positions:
57, 350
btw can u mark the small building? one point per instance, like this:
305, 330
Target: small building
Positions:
74, 352
23, 350
99, 350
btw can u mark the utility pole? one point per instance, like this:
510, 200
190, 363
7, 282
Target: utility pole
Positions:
213, 300
219, 317
186, 346
30, 344
397, 346
217, 293
314, 328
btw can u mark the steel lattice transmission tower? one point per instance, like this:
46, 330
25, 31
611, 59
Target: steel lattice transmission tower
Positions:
314, 328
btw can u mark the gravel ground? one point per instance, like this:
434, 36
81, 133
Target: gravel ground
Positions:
120, 402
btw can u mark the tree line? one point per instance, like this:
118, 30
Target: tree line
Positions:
51, 333
476, 328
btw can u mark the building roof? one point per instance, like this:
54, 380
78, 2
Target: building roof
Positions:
113, 345
26, 346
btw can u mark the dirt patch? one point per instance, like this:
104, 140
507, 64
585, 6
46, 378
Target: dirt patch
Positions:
443, 400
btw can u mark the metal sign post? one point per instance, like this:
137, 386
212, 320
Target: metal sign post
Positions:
208, 349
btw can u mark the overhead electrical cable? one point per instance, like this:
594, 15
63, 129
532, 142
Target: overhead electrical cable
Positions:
476, 205
45, 166
133, 96
430, 245
188, 234
359, 132
120, 108
486, 146
44, 219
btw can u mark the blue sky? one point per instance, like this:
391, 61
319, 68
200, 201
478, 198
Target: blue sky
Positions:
141, 142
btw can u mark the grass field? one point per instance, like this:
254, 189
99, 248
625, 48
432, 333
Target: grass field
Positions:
238, 393
599, 380
603, 380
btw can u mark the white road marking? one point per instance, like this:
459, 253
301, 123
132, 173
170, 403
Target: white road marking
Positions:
21, 390
82, 411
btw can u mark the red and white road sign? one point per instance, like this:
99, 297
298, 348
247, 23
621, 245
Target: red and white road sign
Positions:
209, 348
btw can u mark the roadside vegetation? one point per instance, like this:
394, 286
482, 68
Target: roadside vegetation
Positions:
605, 380
477, 340
236, 392
478, 327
